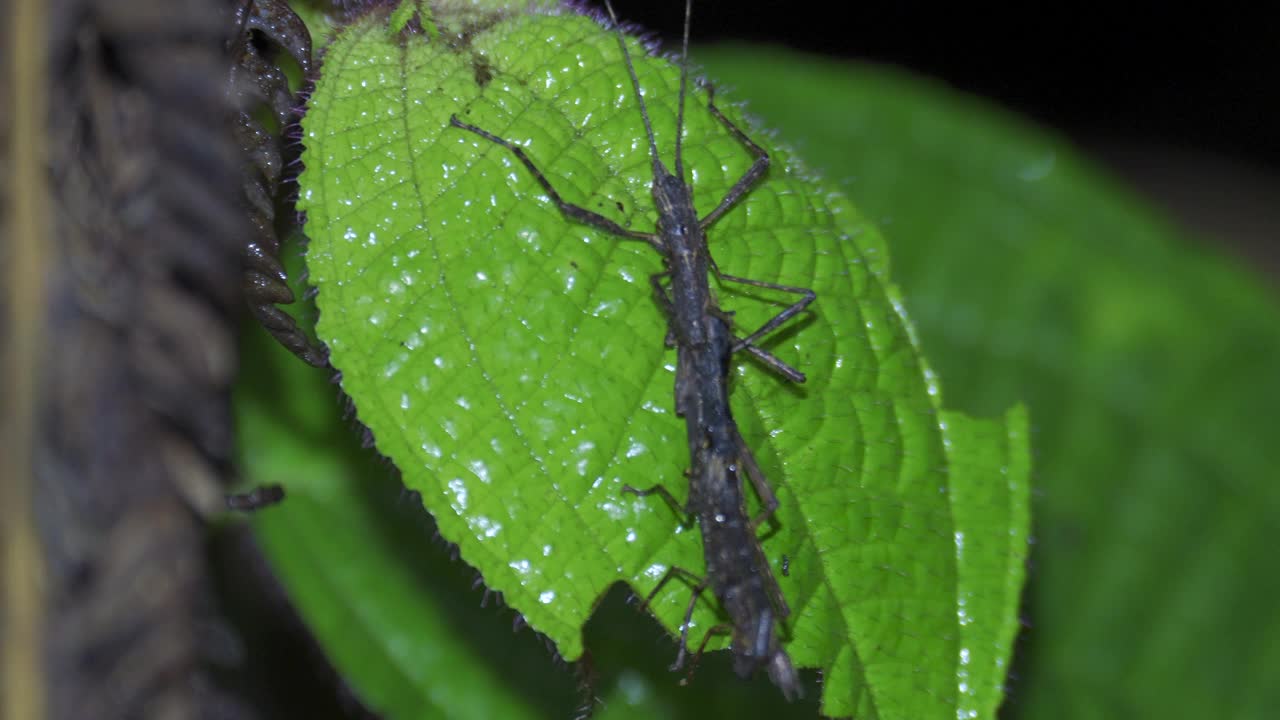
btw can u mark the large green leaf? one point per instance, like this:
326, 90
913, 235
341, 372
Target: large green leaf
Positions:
1149, 364
512, 364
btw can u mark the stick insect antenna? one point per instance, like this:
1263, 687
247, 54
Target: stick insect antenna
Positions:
684, 78
635, 83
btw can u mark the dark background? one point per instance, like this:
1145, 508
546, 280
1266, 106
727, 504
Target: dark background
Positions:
1187, 77
1182, 102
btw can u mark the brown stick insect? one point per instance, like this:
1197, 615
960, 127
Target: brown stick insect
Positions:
737, 571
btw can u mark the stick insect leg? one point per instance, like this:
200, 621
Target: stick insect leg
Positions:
748, 343
748, 179
665, 301
776, 364
740, 188
663, 493
722, 629
768, 358
684, 627
255, 499
664, 298
791, 311
574, 212
674, 571
699, 585
769, 501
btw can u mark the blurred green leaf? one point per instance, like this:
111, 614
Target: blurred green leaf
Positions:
511, 364
321, 21
1148, 362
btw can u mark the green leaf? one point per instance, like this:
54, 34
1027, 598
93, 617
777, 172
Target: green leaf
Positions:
512, 363
1148, 362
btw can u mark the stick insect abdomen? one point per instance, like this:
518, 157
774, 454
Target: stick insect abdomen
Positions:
737, 571
740, 577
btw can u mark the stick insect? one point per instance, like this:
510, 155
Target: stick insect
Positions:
737, 571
